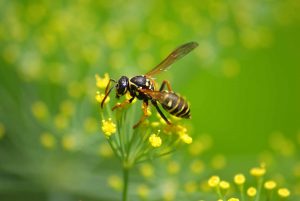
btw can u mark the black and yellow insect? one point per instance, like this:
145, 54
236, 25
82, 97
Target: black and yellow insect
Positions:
142, 87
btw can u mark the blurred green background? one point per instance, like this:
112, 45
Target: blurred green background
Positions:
242, 82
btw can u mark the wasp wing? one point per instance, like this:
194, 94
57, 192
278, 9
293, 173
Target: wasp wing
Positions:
177, 54
155, 95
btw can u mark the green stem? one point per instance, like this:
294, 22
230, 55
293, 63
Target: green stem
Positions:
259, 186
219, 192
125, 182
242, 192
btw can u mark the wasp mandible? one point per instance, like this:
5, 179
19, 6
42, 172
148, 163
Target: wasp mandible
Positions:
142, 87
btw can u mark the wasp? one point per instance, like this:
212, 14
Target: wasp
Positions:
142, 87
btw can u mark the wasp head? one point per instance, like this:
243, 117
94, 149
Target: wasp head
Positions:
122, 86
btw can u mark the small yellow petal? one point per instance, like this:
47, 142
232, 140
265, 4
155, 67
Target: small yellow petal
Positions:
258, 171
214, 181
251, 191
233, 199
270, 185
181, 130
186, 138
224, 185
284, 192
155, 124
239, 179
128, 97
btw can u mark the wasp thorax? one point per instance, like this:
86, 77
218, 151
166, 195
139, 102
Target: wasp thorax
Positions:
122, 86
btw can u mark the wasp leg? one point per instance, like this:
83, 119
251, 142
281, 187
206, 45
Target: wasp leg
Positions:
145, 115
160, 112
119, 105
107, 91
163, 85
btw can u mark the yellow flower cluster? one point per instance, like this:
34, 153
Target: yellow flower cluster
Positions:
284, 192
182, 132
252, 192
99, 97
258, 171
155, 140
102, 82
239, 179
270, 185
214, 181
108, 127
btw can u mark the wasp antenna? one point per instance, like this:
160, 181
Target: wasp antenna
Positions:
106, 95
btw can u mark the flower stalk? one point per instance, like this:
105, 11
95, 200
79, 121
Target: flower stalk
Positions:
133, 146
125, 182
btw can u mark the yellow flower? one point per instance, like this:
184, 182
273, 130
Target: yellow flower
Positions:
67, 108
190, 187
102, 82
128, 97
233, 199
214, 181
68, 142
99, 97
270, 185
258, 171
147, 170
186, 138
181, 130
196, 148
47, 140
61, 121
143, 191
155, 140
115, 182
251, 192
224, 185
155, 124
40, 110
284, 192
197, 166
108, 127
239, 179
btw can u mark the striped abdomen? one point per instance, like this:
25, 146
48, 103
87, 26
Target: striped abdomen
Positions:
175, 104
